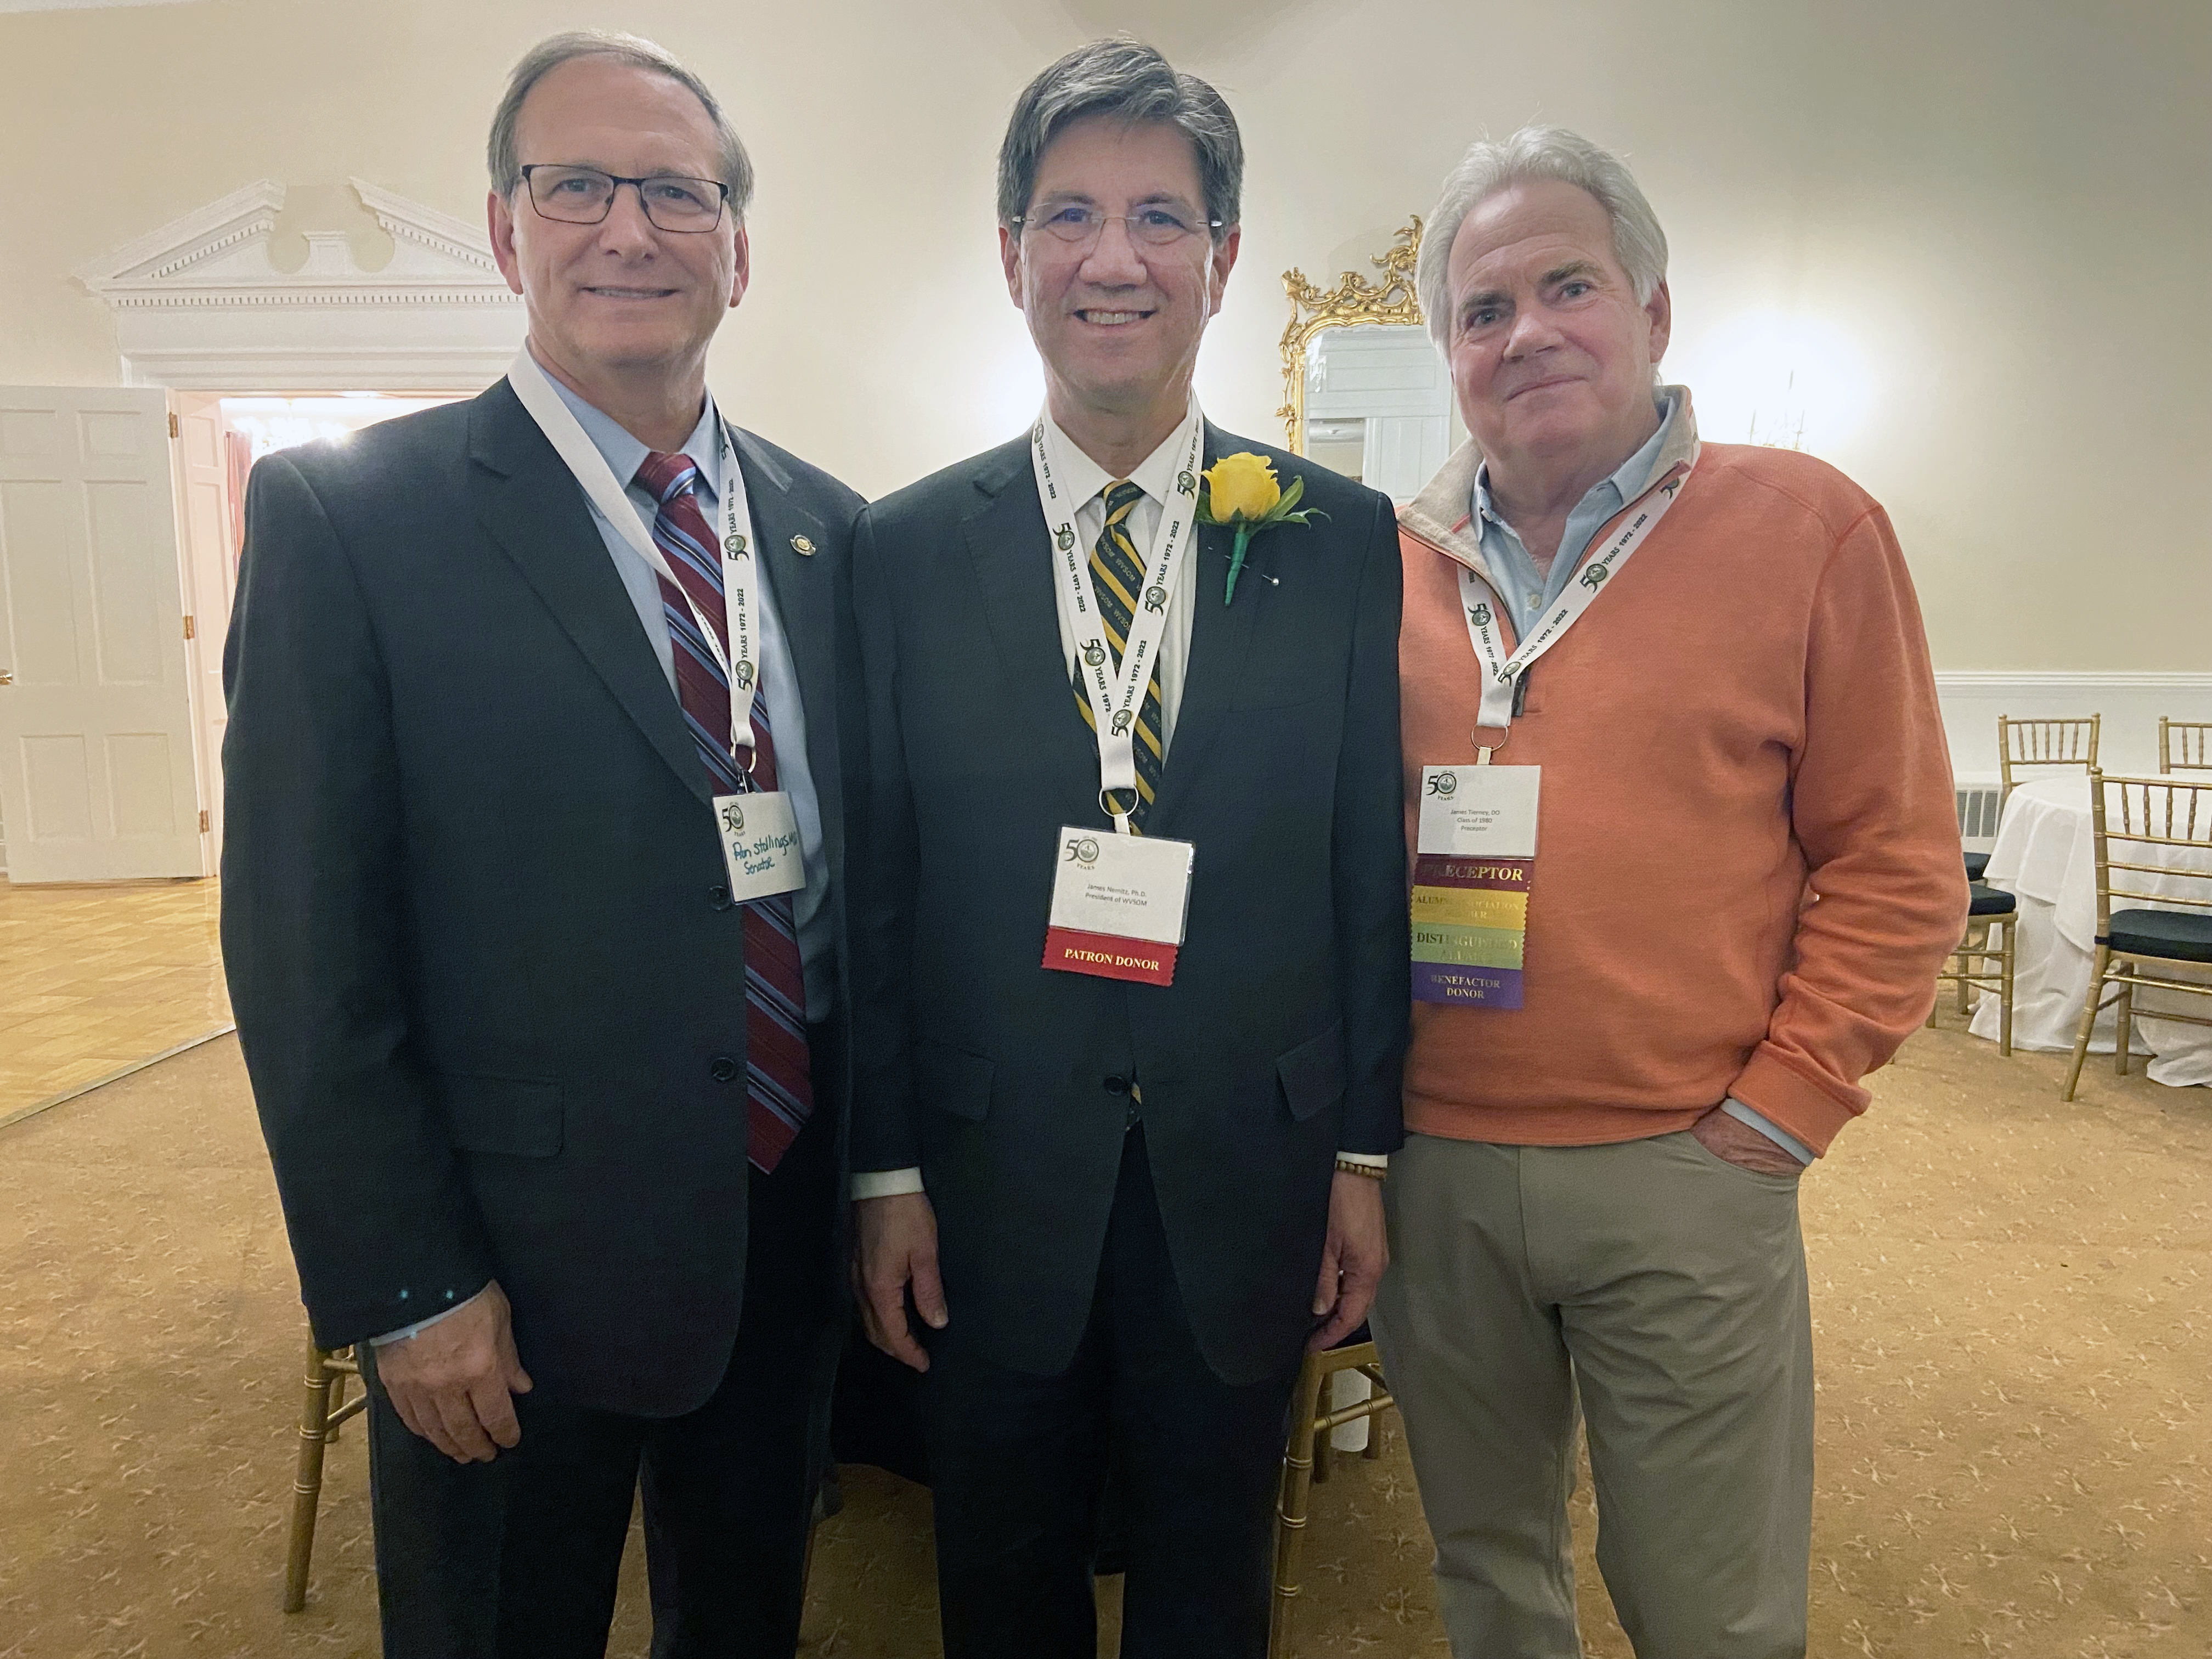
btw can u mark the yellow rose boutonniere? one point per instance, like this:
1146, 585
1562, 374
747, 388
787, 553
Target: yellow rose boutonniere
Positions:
1241, 491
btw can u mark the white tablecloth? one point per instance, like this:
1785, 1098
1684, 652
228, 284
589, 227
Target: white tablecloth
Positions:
2045, 855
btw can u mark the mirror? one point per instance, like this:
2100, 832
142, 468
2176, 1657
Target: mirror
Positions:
1366, 392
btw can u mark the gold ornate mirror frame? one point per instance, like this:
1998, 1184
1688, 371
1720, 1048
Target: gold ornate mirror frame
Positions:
1352, 301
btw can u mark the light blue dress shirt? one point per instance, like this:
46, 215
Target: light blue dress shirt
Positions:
1513, 570
779, 685
1527, 592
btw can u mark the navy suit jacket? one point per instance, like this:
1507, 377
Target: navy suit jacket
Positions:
489, 983
1280, 1040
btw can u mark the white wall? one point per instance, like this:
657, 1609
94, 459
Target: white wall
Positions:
2006, 212
2130, 704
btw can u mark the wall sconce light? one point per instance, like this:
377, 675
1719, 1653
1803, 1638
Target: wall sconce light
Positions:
1784, 379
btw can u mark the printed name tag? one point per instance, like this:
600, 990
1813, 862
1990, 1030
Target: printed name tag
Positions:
1472, 869
1474, 811
1118, 903
759, 835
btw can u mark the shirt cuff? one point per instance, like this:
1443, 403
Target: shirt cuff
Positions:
885, 1183
1782, 1138
1372, 1160
406, 1331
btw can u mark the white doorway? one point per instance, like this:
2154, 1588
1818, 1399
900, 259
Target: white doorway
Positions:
98, 770
220, 440
121, 522
120, 508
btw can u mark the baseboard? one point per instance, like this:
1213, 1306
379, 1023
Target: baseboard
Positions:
117, 1076
2033, 682
2131, 700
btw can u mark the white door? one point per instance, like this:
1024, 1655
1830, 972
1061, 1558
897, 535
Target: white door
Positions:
96, 741
210, 566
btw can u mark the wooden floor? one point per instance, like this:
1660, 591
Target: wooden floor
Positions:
94, 979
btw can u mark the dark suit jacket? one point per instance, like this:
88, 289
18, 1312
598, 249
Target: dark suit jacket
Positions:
489, 983
1279, 1042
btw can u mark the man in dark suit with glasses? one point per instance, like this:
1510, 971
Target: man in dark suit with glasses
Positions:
531, 916
1128, 900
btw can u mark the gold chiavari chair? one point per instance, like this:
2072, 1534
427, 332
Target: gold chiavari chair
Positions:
2184, 746
2024, 745
1984, 963
2131, 816
325, 1408
1310, 1426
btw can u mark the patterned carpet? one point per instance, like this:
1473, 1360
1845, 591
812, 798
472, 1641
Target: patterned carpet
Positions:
94, 979
2014, 1301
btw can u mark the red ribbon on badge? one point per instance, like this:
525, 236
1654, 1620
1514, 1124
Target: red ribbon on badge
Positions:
1109, 957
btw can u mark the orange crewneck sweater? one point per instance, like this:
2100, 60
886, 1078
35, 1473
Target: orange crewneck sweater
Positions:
1747, 865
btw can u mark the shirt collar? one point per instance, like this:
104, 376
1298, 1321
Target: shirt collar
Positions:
1155, 475
1627, 479
624, 455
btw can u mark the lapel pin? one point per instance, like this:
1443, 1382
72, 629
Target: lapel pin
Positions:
801, 546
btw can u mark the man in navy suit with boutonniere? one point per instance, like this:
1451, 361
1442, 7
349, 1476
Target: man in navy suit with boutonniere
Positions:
1127, 897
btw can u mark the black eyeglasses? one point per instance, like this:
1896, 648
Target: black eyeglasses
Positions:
1080, 227
584, 196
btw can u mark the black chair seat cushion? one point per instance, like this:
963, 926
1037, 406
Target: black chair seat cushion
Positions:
1978, 866
2172, 933
1989, 901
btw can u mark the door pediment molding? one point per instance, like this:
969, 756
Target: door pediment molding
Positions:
199, 303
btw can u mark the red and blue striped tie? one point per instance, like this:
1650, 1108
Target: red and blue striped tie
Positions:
779, 1071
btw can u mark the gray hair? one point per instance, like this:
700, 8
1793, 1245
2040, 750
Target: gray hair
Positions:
1539, 153
734, 166
1127, 80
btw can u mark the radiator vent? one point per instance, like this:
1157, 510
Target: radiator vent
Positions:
1978, 813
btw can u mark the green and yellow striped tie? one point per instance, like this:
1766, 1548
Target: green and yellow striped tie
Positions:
1117, 576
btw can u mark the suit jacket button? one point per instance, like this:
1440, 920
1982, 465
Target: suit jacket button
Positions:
1117, 1085
722, 1068
718, 897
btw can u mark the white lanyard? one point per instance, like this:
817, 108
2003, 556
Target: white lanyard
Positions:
567, 436
1116, 705
1501, 672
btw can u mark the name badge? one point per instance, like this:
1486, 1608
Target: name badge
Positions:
1119, 904
1475, 811
1471, 870
759, 835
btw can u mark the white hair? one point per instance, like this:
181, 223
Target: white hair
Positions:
1538, 153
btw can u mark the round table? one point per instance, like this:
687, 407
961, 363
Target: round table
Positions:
2045, 855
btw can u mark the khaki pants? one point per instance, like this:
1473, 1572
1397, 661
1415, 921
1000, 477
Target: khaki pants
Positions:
1665, 1287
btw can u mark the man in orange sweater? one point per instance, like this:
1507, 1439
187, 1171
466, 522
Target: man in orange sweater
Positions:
1687, 864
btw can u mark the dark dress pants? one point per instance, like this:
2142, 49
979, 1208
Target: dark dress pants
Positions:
519, 1556
1017, 1464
